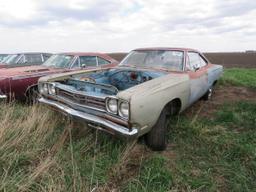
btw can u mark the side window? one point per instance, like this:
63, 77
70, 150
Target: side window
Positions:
88, 61
102, 61
33, 58
194, 61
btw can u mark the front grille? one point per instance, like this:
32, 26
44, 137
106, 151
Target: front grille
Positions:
89, 101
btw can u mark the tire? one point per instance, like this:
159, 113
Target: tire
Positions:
33, 95
208, 94
156, 138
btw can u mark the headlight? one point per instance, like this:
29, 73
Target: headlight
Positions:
124, 109
51, 89
43, 88
111, 105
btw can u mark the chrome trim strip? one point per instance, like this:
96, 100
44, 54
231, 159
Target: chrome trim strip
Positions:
118, 129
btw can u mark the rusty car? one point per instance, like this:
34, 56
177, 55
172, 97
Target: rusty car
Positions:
24, 59
137, 97
20, 83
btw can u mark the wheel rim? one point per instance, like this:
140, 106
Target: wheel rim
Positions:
210, 93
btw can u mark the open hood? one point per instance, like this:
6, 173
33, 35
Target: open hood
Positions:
109, 81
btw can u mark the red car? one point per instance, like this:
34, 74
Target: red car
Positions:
20, 83
24, 59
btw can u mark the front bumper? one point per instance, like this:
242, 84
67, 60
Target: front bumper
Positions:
93, 120
3, 97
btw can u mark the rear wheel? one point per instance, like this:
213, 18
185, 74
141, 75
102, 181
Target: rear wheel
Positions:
208, 94
156, 138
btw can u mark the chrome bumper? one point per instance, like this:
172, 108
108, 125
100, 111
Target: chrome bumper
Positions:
3, 97
98, 122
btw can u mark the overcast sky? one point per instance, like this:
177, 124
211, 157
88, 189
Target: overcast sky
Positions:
122, 25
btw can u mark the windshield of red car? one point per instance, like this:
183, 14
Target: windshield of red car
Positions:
11, 59
59, 61
2, 57
168, 59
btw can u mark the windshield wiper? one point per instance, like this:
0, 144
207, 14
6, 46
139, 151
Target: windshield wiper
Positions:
133, 66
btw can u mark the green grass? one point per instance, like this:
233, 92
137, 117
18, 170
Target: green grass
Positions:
218, 154
154, 176
41, 151
239, 77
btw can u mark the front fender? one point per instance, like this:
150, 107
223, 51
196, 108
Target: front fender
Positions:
148, 99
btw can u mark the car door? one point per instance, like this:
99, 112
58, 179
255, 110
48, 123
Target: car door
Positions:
197, 70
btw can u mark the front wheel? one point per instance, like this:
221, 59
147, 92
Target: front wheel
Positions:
156, 138
33, 96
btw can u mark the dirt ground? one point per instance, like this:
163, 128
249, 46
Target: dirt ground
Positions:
221, 95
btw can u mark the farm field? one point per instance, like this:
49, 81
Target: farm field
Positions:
212, 147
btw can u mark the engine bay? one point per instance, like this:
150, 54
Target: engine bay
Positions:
111, 81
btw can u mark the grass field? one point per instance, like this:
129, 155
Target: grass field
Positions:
240, 77
212, 147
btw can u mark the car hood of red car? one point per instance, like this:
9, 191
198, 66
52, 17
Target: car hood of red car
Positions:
28, 71
2, 65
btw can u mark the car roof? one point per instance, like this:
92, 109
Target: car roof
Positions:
82, 53
165, 48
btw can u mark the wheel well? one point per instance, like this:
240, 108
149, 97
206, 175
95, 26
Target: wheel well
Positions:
174, 106
29, 90
214, 83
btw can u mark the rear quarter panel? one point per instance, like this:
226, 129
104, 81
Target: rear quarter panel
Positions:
214, 73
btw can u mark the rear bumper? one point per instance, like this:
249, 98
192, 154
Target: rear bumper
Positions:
93, 120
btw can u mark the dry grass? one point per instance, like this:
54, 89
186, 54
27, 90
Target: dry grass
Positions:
42, 151
29, 149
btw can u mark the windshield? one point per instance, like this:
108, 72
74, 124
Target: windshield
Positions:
2, 57
59, 61
171, 60
11, 59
